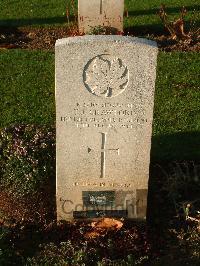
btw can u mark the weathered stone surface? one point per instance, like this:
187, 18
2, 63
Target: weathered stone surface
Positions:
108, 13
104, 107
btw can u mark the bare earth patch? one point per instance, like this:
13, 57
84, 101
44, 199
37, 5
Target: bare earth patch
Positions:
45, 38
38, 208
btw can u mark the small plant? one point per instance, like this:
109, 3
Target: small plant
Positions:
176, 28
27, 156
104, 30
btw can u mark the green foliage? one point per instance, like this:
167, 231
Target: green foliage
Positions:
103, 30
104, 250
63, 254
67, 253
27, 156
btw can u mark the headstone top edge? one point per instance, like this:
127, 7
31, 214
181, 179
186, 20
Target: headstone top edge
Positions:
105, 38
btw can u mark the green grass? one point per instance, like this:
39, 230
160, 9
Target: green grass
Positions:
177, 98
32, 12
27, 96
27, 87
50, 12
176, 128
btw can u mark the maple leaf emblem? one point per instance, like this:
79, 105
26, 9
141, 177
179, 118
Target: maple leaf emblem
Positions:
105, 76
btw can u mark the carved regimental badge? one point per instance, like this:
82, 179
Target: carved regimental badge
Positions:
105, 76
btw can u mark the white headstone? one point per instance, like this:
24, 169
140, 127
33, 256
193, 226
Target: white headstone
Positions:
104, 108
94, 13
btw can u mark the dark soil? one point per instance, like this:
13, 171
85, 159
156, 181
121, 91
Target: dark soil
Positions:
32, 221
35, 38
38, 208
44, 38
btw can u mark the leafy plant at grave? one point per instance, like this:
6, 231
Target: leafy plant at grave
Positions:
67, 253
27, 157
103, 30
63, 254
176, 28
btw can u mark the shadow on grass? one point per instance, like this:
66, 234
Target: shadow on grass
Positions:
140, 30
155, 29
34, 21
63, 19
154, 11
180, 146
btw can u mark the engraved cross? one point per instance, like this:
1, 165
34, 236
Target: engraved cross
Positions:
103, 154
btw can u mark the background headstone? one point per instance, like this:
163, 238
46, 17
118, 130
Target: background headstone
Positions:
107, 13
104, 107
